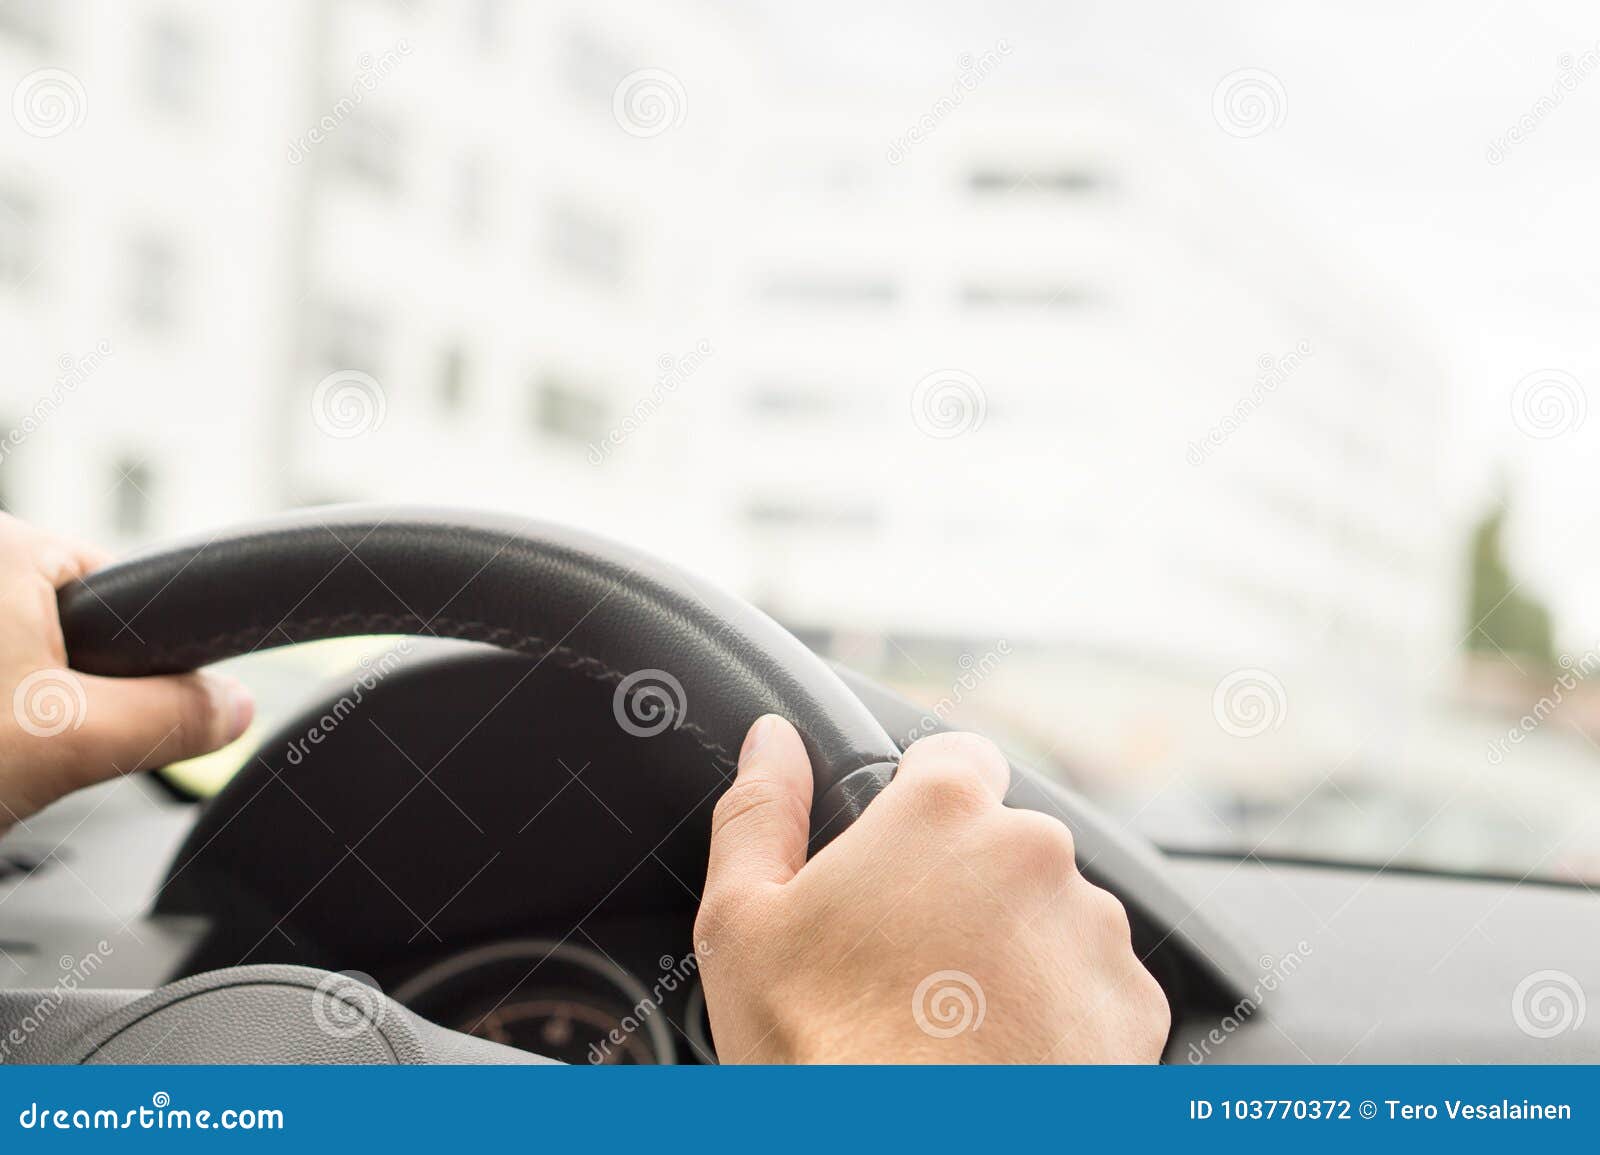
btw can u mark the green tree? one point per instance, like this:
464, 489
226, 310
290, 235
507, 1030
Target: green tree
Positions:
1500, 615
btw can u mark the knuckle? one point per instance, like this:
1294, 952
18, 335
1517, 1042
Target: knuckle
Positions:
193, 714
723, 911
951, 750
1041, 843
947, 793
711, 919
1153, 1013
1112, 915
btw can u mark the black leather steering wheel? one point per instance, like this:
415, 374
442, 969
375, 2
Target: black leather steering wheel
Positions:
714, 663
673, 651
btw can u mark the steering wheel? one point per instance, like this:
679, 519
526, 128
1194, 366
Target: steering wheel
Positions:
672, 649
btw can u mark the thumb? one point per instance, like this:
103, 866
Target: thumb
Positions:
760, 827
141, 723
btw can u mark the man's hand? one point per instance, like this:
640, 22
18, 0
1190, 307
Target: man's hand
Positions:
60, 730
941, 927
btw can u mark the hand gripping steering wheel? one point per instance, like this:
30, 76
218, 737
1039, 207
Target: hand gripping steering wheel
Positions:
613, 614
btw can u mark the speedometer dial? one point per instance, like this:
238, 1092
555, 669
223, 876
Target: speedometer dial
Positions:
573, 1030
562, 1001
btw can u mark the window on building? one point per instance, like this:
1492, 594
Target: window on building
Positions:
591, 68
584, 245
789, 515
348, 337
29, 22
471, 192
170, 64
564, 410
154, 281
453, 379
991, 294
829, 291
313, 494
785, 401
19, 225
131, 496
367, 148
488, 23
1065, 181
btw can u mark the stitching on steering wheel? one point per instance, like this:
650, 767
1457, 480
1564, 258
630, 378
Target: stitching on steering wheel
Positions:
530, 644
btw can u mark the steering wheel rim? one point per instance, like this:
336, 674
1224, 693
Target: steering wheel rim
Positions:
676, 651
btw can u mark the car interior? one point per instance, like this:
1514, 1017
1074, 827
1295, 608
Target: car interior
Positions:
489, 849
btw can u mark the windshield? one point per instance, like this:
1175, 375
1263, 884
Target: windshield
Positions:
1202, 416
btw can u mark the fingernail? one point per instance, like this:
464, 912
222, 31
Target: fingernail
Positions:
758, 734
234, 703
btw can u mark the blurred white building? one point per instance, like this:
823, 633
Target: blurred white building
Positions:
1003, 366
516, 260
349, 251
441, 210
1047, 373
139, 238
